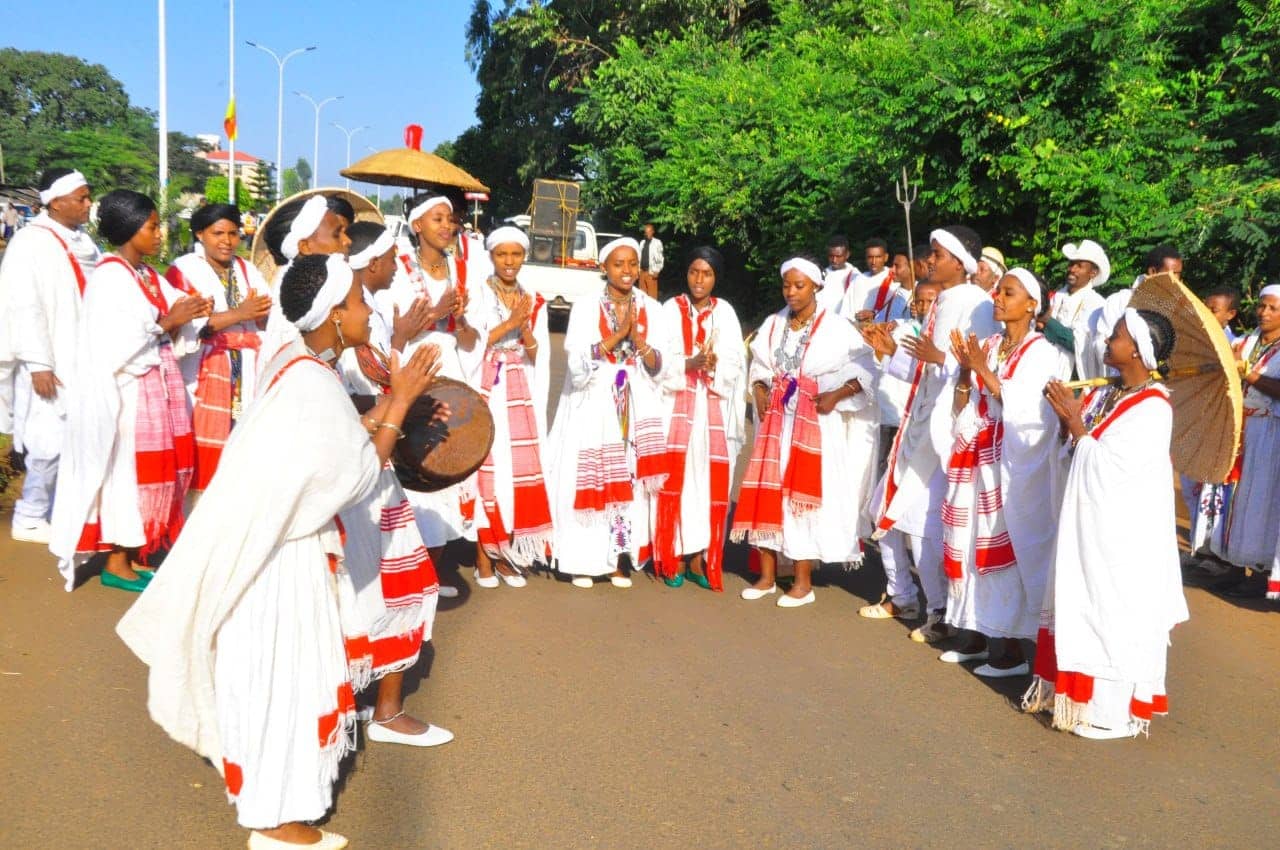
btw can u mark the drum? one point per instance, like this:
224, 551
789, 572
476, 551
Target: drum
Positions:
435, 455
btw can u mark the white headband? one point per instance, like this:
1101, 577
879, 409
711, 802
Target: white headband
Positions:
1141, 333
421, 209
64, 185
1029, 283
505, 235
304, 225
948, 240
808, 267
337, 284
377, 248
623, 242
1269, 289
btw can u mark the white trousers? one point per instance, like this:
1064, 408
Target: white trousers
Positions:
36, 502
898, 550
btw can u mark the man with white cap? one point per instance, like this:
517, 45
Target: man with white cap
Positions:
42, 282
1078, 306
907, 504
991, 267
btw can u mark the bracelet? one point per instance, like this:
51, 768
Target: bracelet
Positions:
963, 388
396, 428
530, 347
648, 349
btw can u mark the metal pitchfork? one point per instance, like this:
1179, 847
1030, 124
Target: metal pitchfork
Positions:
906, 194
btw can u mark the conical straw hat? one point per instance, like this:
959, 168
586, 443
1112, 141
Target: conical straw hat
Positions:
261, 255
413, 169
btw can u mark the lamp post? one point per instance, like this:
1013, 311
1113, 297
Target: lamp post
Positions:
349, 134
280, 108
372, 149
315, 150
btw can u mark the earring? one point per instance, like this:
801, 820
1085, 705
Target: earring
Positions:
337, 326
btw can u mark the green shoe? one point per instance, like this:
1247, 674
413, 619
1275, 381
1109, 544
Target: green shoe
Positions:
675, 581
700, 580
112, 580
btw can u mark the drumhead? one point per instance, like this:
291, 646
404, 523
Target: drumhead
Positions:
435, 455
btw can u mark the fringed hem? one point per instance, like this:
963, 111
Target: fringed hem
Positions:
804, 507
360, 671
398, 622
1067, 713
524, 549
1039, 697
396, 667
341, 742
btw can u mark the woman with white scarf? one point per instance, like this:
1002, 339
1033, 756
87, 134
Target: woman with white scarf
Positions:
1116, 589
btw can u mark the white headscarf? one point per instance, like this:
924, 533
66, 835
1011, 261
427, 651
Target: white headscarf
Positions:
623, 242
511, 235
808, 267
64, 185
1030, 284
1141, 333
956, 248
377, 248
1269, 289
337, 284
421, 209
304, 225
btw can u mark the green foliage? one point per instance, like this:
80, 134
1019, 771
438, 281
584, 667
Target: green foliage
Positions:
262, 185
302, 169
293, 184
216, 191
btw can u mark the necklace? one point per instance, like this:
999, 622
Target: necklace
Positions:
441, 266
792, 319
1111, 400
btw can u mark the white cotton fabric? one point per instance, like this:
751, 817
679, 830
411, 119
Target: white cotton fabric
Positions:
361, 259
1141, 333
240, 629
809, 268
582, 544
727, 389
119, 344
1117, 586
421, 209
837, 354
1272, 290
64, 185
337, 285
955, 247
304, 225
863, 292
836, 283
1081, 311
1030, 284
1006, 603
507, 235
622, 242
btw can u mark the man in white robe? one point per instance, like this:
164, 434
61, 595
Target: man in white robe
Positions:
838, 276
1078, 306
876, 295
42, 280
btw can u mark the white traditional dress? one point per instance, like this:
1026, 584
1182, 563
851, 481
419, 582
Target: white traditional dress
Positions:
706, 415
1081, 311
808, 509
1248, 537
835, 283
446, 514
241, 628
513, 517
607, 446
1005, 479
879, 294
1116, 587
42, 280
222, 374
128, 455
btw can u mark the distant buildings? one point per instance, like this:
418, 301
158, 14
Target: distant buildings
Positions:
246, 164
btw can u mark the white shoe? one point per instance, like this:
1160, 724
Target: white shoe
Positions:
986, 671
488, 583
31, 531
328, 841
751, 593
512, 581
620, 581
788, 601
447, 591
1100, 733
583, 582
878, 611
434, 736
955, 656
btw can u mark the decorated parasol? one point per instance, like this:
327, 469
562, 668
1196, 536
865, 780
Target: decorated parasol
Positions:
261, 256
411, 167
1203, 380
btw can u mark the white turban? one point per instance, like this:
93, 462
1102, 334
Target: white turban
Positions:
420, 210
304, 225
1030, 284
1141, 333
377, 248
337, 284
948, 240
624, 242
1270, 289
807, 267
505, 235
64, 185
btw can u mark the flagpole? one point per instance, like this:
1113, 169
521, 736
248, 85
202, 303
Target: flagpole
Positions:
231, 86
164, 135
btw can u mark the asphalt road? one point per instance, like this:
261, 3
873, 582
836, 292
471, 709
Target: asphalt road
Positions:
659, 718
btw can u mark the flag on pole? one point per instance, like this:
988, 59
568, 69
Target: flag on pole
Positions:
229, 122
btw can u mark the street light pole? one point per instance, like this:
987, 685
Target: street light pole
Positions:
315, 151
280, 109
349, 134
372, 149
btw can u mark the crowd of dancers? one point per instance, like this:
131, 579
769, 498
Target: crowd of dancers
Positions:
245, 429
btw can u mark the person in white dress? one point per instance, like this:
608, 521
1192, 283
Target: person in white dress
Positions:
876, 295
607, 445
814, 456
129, 451
706, 383
1116, 586
42, 280
242, 630
1004, 483
1078, 305
221, 375
513, 516
838, 276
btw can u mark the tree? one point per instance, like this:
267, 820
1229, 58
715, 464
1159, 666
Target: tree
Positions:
262, 184
293, 184
302, 169
216, 191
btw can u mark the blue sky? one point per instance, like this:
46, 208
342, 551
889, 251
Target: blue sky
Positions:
395, 62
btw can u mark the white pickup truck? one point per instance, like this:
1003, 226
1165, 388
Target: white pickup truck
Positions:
561, 280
